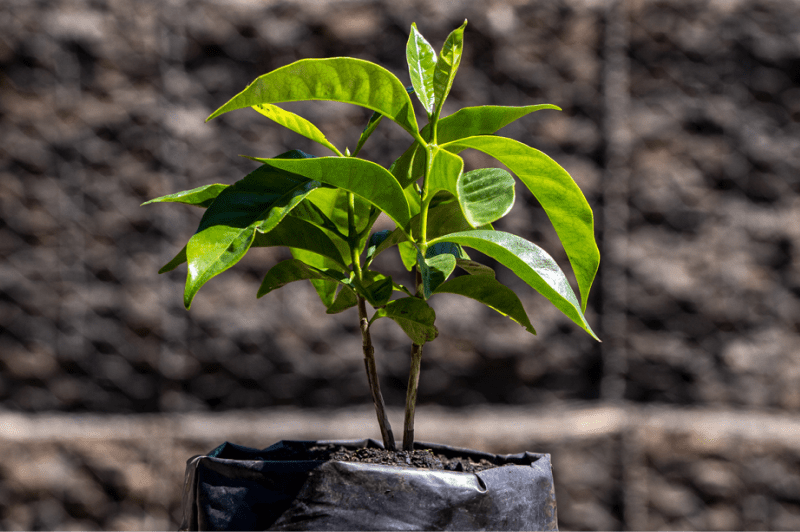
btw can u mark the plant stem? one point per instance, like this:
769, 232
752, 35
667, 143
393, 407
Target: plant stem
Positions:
411, 397
372, 377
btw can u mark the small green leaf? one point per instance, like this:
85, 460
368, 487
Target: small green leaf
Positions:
490, 292
200, 196
364, 178
345, 299
485, 195
474, 268
408, 254
447, 66
435, 269
421, 59
291, 270
325, 288
298, 233
445, 171
530, 263
557, 193
375, 241
376, 288
413, 315
179, 259
296, 123
340, 79
259, 201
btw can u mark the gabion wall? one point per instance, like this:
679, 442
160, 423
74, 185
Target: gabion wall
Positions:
103, 106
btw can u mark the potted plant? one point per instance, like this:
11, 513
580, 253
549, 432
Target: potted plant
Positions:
323, 209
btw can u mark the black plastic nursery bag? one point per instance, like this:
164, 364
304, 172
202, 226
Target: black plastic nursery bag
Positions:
238, 488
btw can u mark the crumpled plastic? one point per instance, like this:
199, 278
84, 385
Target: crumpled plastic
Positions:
239, 488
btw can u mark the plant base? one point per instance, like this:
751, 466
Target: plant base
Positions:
284, 488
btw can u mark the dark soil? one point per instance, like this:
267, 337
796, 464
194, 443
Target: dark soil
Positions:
424, 459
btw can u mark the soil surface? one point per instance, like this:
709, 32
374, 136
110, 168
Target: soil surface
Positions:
424, 459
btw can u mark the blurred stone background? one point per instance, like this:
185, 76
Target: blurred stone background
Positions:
680, 121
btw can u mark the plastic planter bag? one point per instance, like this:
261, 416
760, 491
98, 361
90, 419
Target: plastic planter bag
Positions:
238, 488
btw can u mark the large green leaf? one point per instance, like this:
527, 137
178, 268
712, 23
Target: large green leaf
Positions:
466, 122
559, 196
490, 292
200, 196
530, 263
291, 270
485, 195
421, 59
296, 123
298, 233
413, 315
258, 202
340, 79
447, 65
369, 180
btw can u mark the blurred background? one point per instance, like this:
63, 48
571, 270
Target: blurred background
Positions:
680, 121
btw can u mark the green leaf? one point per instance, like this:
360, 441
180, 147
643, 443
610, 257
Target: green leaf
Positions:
529, 262
364, 178
447, 65
259, 201
296, 123
413, 315
445, 170
345, 299
340, 79
375, 242
376, 288
200, 196
435, 268
291, 270
485, 195
408, 254
325, 288
297, 233
373, 122
474, 268
421, 59
176, 261
490, 292
557, 193
466, 122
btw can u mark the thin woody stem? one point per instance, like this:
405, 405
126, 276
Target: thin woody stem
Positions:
372, 377
411, 397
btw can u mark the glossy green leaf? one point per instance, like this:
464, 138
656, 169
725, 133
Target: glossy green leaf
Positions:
298, 233
490, 292
296, 123
530, 263
364, 178
200, 196
408, 254
259, 201
340, 79
413, 315
291, 270
466, 122
557, 193
445, 171
421, 59
485, 195
447, 65
345, 299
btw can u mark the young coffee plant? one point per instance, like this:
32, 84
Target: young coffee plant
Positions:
323, 208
